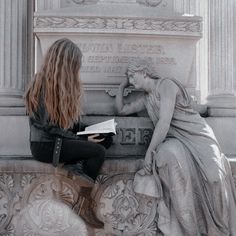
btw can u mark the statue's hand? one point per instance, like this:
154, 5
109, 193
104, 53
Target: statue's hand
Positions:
125, 82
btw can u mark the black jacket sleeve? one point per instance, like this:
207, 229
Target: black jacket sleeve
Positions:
41, 122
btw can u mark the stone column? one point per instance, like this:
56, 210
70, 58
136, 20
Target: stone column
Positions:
15, 49
221, 98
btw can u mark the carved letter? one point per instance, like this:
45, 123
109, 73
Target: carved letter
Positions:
128, 136
145, 135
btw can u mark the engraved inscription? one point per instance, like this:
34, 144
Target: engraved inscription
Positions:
145, 135
112, 58
140, 48
90, 69
96, 47
128, 136
133, 136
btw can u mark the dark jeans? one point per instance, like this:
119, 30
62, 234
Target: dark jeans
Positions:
72, 151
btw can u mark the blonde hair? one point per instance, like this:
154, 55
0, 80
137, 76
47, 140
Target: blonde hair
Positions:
144, 65
58, 84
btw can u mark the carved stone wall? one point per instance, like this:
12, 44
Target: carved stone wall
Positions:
38, 199
110, 33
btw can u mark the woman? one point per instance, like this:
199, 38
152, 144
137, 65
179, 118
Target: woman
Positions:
53, 102
194, 179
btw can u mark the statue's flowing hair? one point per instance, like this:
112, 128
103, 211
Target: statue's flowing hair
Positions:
144, 65
58, 84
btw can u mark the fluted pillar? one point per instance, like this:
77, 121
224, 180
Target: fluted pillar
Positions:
221, 99
15, 51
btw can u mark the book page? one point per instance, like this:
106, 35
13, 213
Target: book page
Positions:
108, 126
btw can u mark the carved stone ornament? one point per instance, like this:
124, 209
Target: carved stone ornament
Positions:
150, 3
78, 1
120, 208
47, 207
6, 204
112, 92
98, 23
85, 1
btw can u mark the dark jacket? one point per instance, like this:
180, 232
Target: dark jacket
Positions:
42, 130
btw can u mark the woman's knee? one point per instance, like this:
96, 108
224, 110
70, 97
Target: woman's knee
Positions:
168, 151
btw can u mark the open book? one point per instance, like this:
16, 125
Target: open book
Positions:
105, 127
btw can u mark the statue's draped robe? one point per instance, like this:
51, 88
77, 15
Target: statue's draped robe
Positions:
197, 189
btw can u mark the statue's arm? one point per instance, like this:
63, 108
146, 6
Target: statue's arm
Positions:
168, 92
128, 108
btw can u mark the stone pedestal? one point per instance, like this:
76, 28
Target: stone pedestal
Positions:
221, 99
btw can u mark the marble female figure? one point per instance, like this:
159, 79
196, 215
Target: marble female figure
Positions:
196, 190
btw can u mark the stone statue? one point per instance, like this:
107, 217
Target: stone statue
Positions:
193, 179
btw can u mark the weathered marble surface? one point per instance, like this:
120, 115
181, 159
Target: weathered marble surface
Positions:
134, 134
36, 199
30, 188
112, 32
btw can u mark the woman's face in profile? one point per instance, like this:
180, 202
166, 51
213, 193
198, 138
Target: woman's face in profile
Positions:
137, 79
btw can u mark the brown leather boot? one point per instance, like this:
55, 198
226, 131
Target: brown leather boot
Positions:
84, 208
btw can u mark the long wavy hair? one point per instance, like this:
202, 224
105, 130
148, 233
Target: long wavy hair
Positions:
58, 84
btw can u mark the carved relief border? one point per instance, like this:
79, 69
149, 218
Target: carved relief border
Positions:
75, 23
41, 204
122, 211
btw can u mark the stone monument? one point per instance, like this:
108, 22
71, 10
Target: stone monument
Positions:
109, 33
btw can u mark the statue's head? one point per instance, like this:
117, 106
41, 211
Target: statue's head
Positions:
138, 70
144, 66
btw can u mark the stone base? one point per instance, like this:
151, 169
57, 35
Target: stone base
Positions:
37, 199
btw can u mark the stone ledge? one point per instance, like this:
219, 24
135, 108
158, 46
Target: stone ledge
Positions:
133, 135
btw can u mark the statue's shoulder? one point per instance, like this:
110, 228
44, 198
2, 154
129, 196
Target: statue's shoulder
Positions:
167, 84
